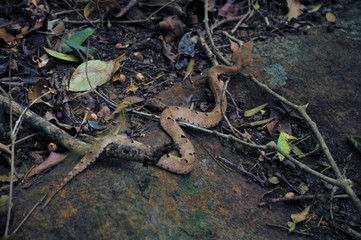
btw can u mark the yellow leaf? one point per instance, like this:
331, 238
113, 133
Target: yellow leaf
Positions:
293, 9
93, 73
131, 88
260, 122
315, 9
292, 226
298, 152
7, 37
282, 143
253, 111
190, 68
89, 8
256, 5
330, 17
302, 216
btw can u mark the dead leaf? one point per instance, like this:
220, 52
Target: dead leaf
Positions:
274, 180
52, 160
293, 9
167, 51
8, 38
234, 46
302, 216
131, 88
229, 10
173, 27
7, 179
36, 91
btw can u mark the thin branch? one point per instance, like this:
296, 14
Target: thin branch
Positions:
208, 31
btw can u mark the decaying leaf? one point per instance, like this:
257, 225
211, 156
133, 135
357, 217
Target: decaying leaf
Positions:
293, 9
298, 217
94, 72
173, 27
131, 88
52, 160
36, 91
282, 143
253, 111
274, 180
167, 51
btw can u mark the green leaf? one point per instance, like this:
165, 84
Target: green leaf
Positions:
95, 72
253, 111
77, 38
4, 202
82, 51
62, 56
356, 142
282, 143
95, 125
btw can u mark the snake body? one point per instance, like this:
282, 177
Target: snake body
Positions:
183, 163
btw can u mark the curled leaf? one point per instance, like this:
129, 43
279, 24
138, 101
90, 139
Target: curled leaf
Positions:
253, 111
62, 56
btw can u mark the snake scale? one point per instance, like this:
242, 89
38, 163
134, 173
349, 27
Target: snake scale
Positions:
184, 163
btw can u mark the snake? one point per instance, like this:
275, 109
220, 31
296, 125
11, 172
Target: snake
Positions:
183, 164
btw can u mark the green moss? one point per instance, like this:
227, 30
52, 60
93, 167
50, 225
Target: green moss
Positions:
199, 220
187, 185
278, 74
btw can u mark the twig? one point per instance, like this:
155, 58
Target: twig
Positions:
341, 181
298, 198
29, 213
208, 31
208, 51
295, 231
81, 15
243, 17
239, 168
130, 5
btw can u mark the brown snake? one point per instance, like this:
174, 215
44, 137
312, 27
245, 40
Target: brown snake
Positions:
184, 163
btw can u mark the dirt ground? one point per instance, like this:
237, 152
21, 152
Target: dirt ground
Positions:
116, 199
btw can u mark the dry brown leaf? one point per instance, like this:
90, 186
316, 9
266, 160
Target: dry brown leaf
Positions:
8, 38
293, 9
52, 160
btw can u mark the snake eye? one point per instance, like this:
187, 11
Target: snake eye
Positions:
206, 114
183, 136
